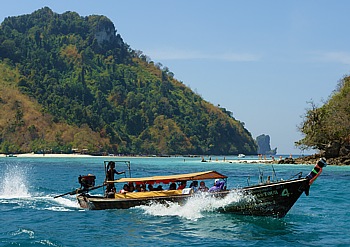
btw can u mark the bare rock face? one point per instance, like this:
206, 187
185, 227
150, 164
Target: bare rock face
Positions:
264, 148
104, 30
104, 33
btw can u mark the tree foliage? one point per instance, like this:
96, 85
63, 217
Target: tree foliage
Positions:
82, 74
329, 125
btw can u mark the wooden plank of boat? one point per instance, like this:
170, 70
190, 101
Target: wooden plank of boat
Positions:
100, 203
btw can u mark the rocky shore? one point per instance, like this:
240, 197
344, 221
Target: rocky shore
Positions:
343, 160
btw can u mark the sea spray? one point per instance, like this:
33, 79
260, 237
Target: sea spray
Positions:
14, 183
195, 206
66, 204
14, 188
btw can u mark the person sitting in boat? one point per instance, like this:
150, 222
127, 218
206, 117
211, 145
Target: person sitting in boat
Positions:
125, 189
143, 188
137, 188
218, 186
110, 176
172, 186
150, 187
194, 186
202, 187
182, 185
131, 187
159, 188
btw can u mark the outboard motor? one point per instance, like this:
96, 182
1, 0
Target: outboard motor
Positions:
87, 181
317, 170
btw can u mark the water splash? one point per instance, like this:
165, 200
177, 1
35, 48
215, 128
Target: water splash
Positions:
14, 189
197, 205
14, 183
65, 204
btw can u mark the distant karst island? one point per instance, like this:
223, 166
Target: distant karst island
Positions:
264, 148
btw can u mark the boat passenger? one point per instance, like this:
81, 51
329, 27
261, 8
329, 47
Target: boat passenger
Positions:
172, 186
194, 186
143, 188
131, 187
202, 187
110, 176
125, 189
150, 187
137, 188
218, 186
182, 185
159, 188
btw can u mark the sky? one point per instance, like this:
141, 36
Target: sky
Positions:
262, 60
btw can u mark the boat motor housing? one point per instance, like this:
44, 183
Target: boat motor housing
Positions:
87, 181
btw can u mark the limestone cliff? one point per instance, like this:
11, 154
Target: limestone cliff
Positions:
264, 148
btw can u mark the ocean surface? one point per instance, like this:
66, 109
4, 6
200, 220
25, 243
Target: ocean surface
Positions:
30, 216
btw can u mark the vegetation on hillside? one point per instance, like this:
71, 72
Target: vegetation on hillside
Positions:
327, 128
75, 77
23, 126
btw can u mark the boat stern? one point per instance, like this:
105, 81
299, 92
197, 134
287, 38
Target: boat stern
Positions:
84, 201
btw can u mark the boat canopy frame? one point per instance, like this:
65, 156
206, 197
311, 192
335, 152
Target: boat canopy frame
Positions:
172, 178
126, 162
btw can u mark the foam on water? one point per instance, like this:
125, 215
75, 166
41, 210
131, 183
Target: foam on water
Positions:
14, 184
66, 204
23, 231
194, 208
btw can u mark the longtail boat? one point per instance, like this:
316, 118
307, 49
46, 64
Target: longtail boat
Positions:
270, 198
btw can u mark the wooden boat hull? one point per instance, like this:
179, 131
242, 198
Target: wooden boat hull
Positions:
100, 203
273, 199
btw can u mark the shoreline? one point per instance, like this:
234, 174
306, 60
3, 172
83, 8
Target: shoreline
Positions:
300, 160
243, 161
33, 155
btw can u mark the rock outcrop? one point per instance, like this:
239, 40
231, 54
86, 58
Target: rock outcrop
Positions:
264, 148
312, 159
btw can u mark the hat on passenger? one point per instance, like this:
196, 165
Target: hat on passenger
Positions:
216, 181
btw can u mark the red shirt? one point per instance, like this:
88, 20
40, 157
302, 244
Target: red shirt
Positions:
181, 187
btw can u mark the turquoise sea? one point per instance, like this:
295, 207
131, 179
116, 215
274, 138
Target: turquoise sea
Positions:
30, 216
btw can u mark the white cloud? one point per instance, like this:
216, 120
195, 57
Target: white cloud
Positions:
174, 54
334, 57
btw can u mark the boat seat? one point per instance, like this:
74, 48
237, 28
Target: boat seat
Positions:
137, 195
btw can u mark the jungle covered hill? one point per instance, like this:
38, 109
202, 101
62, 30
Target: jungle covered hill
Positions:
327, 128
69, 82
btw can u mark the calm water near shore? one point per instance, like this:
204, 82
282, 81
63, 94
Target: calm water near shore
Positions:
31, 217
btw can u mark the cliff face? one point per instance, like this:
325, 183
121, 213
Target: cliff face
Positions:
264, 148
104, 35
103, 30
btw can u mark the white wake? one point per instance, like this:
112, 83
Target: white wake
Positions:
196, 206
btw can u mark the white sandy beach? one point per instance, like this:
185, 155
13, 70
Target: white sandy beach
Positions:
245, 161
33, 155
